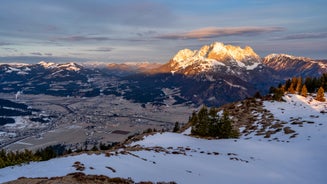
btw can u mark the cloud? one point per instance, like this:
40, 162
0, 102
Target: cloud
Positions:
97, 38
83, 38
304, 36
101, 49
10, 49
57, 15
36, 53
36, 59
40, 54
146, 33
4, 43
213, 32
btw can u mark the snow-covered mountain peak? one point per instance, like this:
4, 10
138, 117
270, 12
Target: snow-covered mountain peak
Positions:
219, 51
47, 64
183, 55
70, 66
67, 66
215, 54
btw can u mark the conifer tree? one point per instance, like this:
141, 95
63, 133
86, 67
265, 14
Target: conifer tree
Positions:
291, 89
193, 119
278, 94
202, 127
176, 127
226, 126
294, 81
304, 91
210, 124
299, 85
308, 83
287, 84
213, 126
226, 129
321, 95
2, 163
257, 95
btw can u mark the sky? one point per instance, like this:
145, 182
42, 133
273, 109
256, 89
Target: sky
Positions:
154, 30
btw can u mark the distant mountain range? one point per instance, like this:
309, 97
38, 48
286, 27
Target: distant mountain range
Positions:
286, 65
213, 75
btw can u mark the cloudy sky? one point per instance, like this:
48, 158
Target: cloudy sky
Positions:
154, 30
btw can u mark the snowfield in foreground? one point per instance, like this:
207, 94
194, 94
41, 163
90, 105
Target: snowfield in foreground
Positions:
185, 159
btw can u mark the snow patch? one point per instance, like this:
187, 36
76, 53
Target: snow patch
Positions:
234, 85
252, 67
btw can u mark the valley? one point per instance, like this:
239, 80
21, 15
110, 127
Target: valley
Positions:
85, 122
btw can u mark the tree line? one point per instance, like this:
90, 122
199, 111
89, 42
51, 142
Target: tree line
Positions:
208, 123
10, 158
19, 157
298, 85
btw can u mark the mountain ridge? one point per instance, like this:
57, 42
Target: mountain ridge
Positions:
213, 75
287, 65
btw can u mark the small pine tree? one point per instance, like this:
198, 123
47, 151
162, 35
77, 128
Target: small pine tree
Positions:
278, 94
94, 148
321, 95
287, 84
304, 91
203, 121
291, 89
308, 83
2, 163
176, 127
299, 85
257, 95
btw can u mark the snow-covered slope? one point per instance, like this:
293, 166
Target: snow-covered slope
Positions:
185, 159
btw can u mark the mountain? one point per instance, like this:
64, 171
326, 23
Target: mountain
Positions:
47, 78
278, 145
288, 66
217, 74
67, 66
213, 57
130, 66
214, 75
